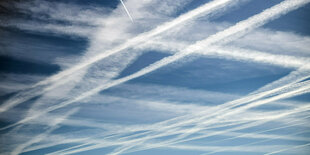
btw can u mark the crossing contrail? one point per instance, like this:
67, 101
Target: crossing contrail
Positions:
217, 118
126, 10
228, 34
43, 86
302, 108
295, 147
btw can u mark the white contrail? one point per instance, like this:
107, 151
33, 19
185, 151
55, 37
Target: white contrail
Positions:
251, 23
246, 25
235, 53
228, 106
291, 77
171, 142
259, 135
260, 102
295, 147
303, 108
275, 117
88, 141
257, 142
126, 10
53, 125
202, 10
104, 144
241, 27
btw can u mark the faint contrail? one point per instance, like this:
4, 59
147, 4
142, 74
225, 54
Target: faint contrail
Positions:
291, 77
126, 10
104, 144
241, 27
239, 54
256, 142
53, 125
233, 135
303, 108
59, 77
295, 147
255, 21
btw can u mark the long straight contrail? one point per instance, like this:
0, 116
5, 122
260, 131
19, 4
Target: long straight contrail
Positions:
257, 142
234, 53
256, 56
304, 108
279, 116
88, 140
291, 77
126, 10
204, 9
241, 27
171, 142
233, 135
54, 125
295, 147
229, 113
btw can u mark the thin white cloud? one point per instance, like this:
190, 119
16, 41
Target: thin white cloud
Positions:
239, 28
53, 125
291, 88
289, 148
230, 112
237, 54
204, 9
293, 77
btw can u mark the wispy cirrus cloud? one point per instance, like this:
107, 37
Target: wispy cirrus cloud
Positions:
157, 116
240, 27
203, 9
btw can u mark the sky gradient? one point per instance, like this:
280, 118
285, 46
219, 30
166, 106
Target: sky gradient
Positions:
184, 77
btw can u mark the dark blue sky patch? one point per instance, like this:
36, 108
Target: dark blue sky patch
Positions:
37, 52
244, 86
193, 4
4, 96
297, 21
10, 65
64, 44
44, 38
101, 3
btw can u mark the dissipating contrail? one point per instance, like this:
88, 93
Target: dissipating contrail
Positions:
126, 10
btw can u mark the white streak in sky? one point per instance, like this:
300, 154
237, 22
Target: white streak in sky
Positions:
126, 10
295, 76
274, 117
256, 142
200, 120
295, 147
228, 34
53, 125
204, 9
238, 54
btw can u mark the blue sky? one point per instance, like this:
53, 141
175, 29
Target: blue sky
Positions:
182, 77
